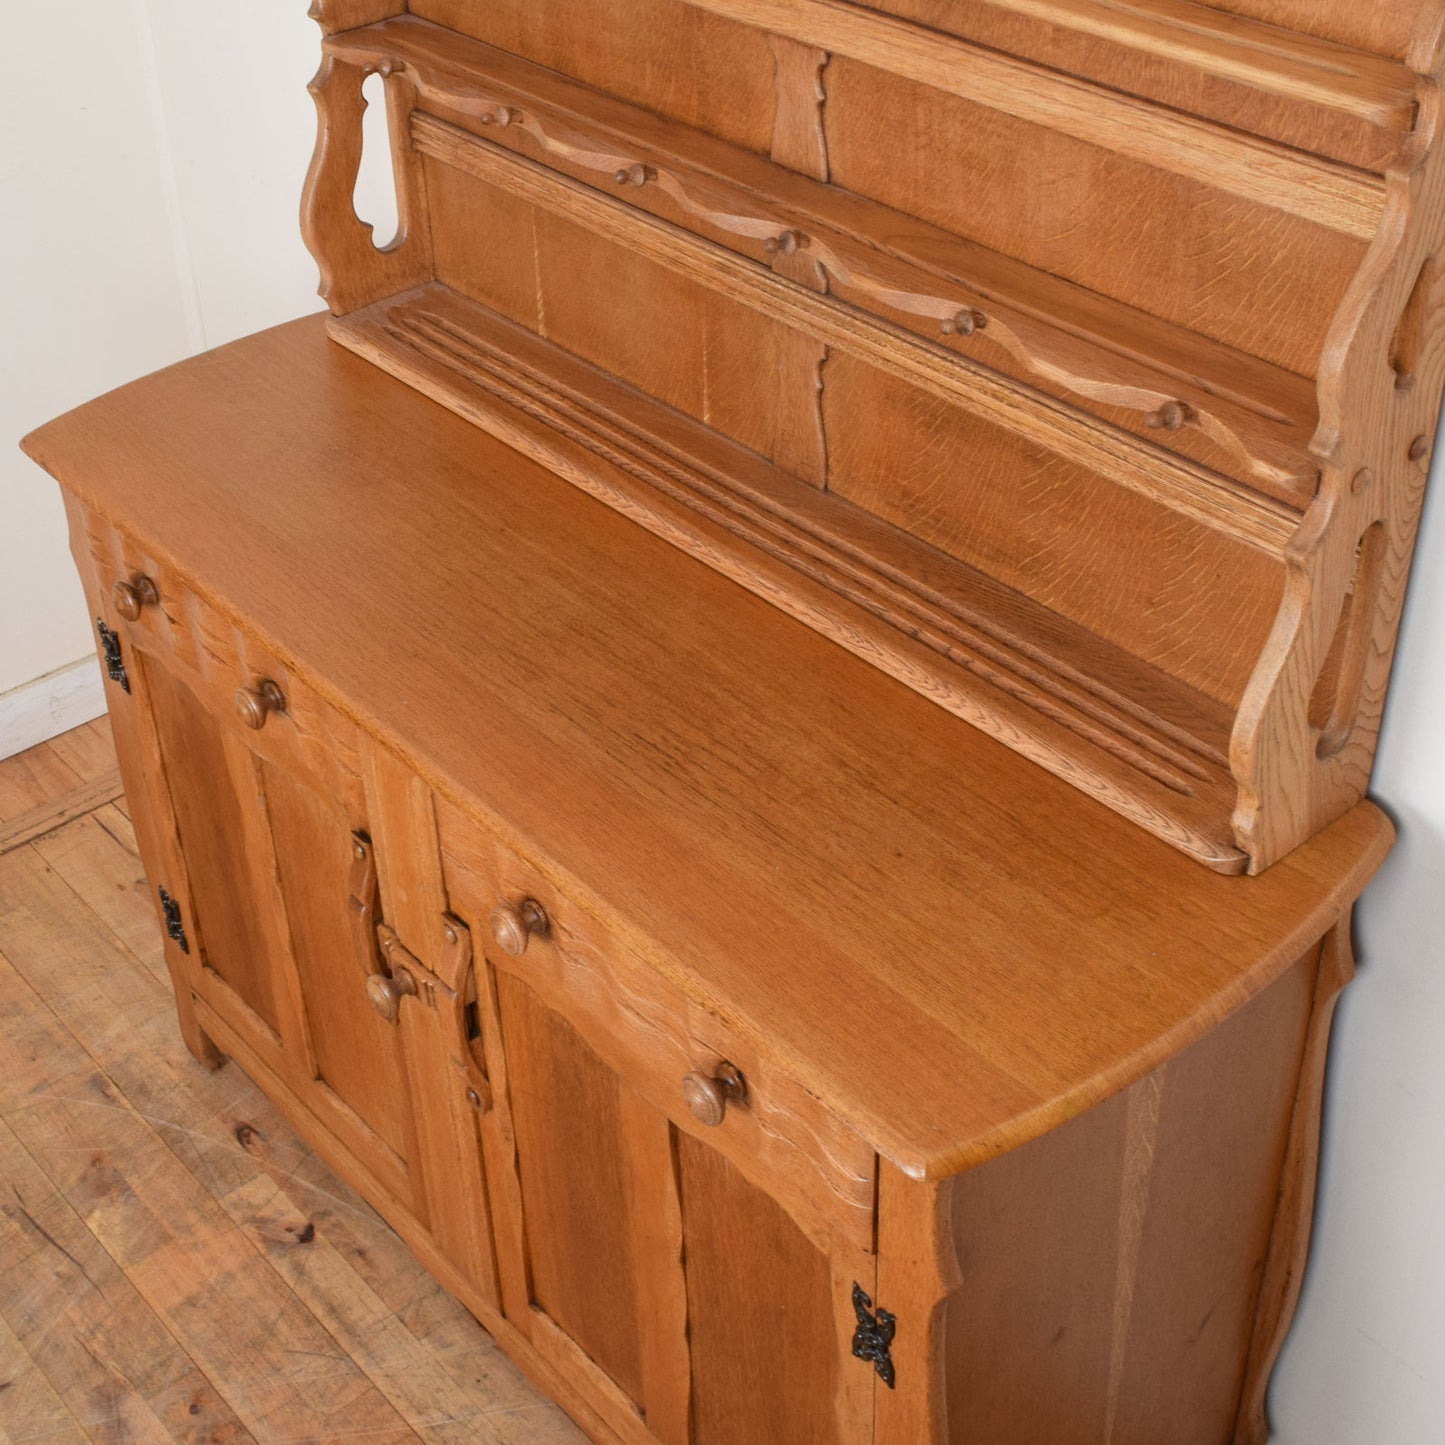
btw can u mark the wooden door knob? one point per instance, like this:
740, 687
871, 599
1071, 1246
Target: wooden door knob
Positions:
513, 925
255, 704
386, 993
130, 597
707, 1095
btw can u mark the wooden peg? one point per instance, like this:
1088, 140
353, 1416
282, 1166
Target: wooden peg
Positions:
785, 243
963, 323
1170, 417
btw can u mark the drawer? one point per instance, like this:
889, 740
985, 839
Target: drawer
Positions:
157, 612
675, 1054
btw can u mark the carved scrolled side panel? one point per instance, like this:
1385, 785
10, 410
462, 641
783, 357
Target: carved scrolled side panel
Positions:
354, 270
1304, 739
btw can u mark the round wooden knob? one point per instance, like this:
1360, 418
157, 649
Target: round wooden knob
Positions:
513, 925
130, 597
706, 1096
785, 242
1170, 417
963, 323
386, 993
255, 704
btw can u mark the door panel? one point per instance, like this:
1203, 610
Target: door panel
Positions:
567, 1114
714, 1316
209, 812
355, 1050
760, 1312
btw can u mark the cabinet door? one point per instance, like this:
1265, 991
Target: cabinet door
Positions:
695, 1279
285, 947
250, 831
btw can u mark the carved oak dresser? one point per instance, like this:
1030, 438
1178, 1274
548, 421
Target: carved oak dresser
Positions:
762, 736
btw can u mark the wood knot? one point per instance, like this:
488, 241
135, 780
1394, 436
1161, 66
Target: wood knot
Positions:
785, 243
1170, 417
1362, 481
1419, 449
963, 323
634, 175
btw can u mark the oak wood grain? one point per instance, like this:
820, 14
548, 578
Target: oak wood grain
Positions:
985, 1048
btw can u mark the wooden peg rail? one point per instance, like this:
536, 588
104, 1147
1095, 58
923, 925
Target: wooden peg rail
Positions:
1095, 311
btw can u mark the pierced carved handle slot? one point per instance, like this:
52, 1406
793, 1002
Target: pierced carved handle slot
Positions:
1335, 702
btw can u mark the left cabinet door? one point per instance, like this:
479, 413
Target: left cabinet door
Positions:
252, 817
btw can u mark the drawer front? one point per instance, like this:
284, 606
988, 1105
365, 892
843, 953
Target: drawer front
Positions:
673, 1053
243, 682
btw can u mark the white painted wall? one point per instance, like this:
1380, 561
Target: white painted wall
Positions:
150, 210
1365, 1364
148, 189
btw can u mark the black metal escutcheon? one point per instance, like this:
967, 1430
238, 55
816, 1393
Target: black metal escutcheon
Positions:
874, 1335
174, 927
114, 665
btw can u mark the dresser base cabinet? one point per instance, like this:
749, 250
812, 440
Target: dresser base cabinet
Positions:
750, 1090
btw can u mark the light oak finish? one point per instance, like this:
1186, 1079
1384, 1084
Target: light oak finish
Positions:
1254, 338
897, 1012
759, 960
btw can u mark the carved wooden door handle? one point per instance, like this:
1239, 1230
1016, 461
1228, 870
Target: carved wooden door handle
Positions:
131, 597
385, 986
255, 704
514, 924
707, 1096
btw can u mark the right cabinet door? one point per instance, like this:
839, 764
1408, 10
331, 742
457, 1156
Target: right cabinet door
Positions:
679, 1229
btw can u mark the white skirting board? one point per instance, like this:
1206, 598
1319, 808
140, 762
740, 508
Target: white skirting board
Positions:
37, 711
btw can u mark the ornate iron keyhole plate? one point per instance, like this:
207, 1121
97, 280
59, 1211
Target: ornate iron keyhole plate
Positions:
175, 929
873, 1338
114, 664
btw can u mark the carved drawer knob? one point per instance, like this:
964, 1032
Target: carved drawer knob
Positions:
503, 116
386, 993
707, 1096
130, 597
964, 323
513, 925
255, 704
636, 175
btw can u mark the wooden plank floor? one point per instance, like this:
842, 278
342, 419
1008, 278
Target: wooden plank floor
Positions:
175, 1264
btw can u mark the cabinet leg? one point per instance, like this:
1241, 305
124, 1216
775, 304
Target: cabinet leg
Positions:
1290, 1240
917, 1270
197, 1040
